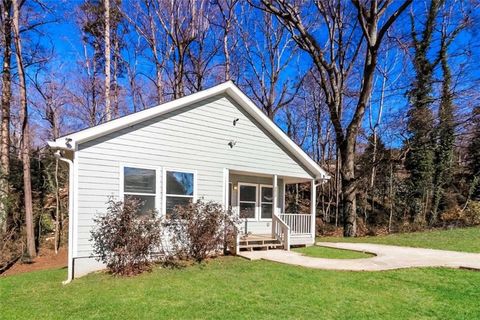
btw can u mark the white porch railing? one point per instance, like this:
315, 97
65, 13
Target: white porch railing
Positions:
281, 231
300, 224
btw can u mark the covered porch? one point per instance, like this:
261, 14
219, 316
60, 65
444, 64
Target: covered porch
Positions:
259, 200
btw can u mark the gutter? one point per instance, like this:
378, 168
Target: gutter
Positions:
322, 181
58, 155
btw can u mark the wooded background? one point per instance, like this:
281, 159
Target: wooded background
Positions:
383, 94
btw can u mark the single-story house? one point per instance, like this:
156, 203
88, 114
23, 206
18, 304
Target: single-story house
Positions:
214, 144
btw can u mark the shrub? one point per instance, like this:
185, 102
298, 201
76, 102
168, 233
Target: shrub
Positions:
473, 212
199, 229
124, 239
468, 216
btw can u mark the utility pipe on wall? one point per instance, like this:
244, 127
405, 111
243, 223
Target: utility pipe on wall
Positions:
58, 155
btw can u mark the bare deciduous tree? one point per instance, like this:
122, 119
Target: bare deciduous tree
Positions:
25, 135
334, 58
268, 52
6, 20
106, 31
227, 12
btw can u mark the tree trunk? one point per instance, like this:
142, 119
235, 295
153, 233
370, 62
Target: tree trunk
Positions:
337, 187
226, 52
108, 111
25, 141
349, 202
390, 216
116, 62
5, 126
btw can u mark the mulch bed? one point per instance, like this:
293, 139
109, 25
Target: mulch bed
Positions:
46, 259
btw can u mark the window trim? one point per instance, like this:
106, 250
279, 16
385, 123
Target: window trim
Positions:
260, 202
256, 199
121, 191
164, 187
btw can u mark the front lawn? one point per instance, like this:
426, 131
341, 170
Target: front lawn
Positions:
331, 253
465, 239
234, 288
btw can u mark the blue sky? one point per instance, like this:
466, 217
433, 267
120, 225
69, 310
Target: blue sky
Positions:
66, 39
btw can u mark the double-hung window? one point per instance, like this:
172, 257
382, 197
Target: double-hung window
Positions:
140, 184
179, 189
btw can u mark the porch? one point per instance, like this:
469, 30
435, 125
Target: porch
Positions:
260, 202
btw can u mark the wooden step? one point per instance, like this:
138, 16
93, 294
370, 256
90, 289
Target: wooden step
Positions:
260, 247
258, 242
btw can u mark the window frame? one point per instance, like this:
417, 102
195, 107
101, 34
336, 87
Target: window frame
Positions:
260, 202
164, 187
240, 184
122, 192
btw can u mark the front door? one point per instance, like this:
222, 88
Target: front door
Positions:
266, 202
255, 201
247, 201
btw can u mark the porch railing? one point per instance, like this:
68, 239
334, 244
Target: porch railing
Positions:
281, 231
300, 224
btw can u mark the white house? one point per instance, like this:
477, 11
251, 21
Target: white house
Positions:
214, 144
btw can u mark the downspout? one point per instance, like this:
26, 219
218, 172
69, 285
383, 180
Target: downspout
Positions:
58, 155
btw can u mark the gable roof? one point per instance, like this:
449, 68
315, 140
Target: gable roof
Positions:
70, 141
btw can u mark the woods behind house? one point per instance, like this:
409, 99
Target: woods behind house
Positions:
382, 94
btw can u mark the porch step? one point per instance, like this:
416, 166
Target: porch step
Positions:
259, 242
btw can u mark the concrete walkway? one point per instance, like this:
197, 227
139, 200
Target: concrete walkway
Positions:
386, 258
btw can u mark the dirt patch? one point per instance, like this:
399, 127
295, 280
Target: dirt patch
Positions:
46, 259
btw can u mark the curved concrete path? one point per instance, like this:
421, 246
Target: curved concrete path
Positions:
386, 258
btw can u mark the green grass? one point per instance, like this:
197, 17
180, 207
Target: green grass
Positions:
466, 239
331, 253
233, 288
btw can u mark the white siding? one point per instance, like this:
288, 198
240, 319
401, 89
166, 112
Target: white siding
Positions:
193, 138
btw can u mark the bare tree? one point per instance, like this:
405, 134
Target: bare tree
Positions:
51, 102
25, 140
6, 16
334, 58
268, 52
86, 93
201, 53
142, 16
227, 12
108, 57
181, 21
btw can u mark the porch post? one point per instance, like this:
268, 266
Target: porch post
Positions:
226, 188
274, 200
313, 207
275, 194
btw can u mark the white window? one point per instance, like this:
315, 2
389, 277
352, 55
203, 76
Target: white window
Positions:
179, 189
247, 200
266, 202
140, 184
